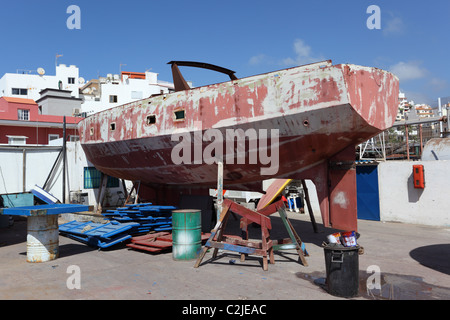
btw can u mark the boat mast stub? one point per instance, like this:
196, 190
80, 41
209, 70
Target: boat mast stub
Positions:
178, 79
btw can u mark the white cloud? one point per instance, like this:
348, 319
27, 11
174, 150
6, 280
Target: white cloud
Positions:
304, 54
258, 59
394, 26
408, 70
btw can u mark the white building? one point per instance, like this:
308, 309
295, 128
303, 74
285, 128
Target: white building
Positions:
97, 94
424, 111
28, 84
403, 106
114, 90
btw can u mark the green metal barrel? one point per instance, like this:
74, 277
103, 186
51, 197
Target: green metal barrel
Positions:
186, 234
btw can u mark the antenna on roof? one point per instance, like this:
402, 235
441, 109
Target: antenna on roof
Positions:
120, 67
56, 59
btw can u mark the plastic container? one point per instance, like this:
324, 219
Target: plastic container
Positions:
349, 239
342, 268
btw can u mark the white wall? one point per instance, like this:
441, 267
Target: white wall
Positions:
126, 91
63, 73
400, 201
35, 83
38, 164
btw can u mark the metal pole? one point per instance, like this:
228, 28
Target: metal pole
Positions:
24, 169
64, 162
219, 188
420, 137
407, 142
308, 203
52, 169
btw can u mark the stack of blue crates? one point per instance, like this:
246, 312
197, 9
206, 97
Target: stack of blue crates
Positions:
124, 222
148, 217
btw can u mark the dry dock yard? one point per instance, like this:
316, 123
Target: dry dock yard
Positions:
400, 262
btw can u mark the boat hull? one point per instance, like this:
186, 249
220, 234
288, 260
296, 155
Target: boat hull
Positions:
318, 111
296, 123
298, 147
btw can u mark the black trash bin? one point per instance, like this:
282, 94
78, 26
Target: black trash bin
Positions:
342, 267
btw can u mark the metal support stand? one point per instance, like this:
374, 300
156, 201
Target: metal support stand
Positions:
101, 192
219, 189
308, 203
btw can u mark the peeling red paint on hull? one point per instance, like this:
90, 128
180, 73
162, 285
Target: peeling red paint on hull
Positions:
319, 110
138, 160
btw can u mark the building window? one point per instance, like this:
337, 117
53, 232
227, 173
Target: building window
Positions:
74, 138
16, 140
112, 99
19, 91
23, 114
71, 80
53, 137
92, 179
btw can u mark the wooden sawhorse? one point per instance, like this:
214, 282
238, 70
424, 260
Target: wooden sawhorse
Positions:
217, 240
293, 242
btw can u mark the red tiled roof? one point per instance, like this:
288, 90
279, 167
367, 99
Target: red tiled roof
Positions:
19, 100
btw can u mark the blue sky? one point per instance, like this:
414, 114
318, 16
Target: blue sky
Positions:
247, 36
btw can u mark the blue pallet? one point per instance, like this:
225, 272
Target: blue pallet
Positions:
124, 222
100, 243
150, 217
105, 231
97, 234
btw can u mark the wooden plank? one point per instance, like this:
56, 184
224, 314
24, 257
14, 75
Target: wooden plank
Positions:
221, 230
155, 243
101, 192
273, 191
146, 248
235, 248
294, 236
207, 245
241, 242
272, 208
252, 216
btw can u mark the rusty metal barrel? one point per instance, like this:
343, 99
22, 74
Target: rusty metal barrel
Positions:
43, 228
42, 238
186, 234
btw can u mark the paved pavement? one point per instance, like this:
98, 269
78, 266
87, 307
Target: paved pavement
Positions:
412, 260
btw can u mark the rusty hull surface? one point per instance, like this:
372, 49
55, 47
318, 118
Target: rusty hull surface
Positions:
321, 111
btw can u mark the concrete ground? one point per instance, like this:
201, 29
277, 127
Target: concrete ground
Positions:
413, 261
